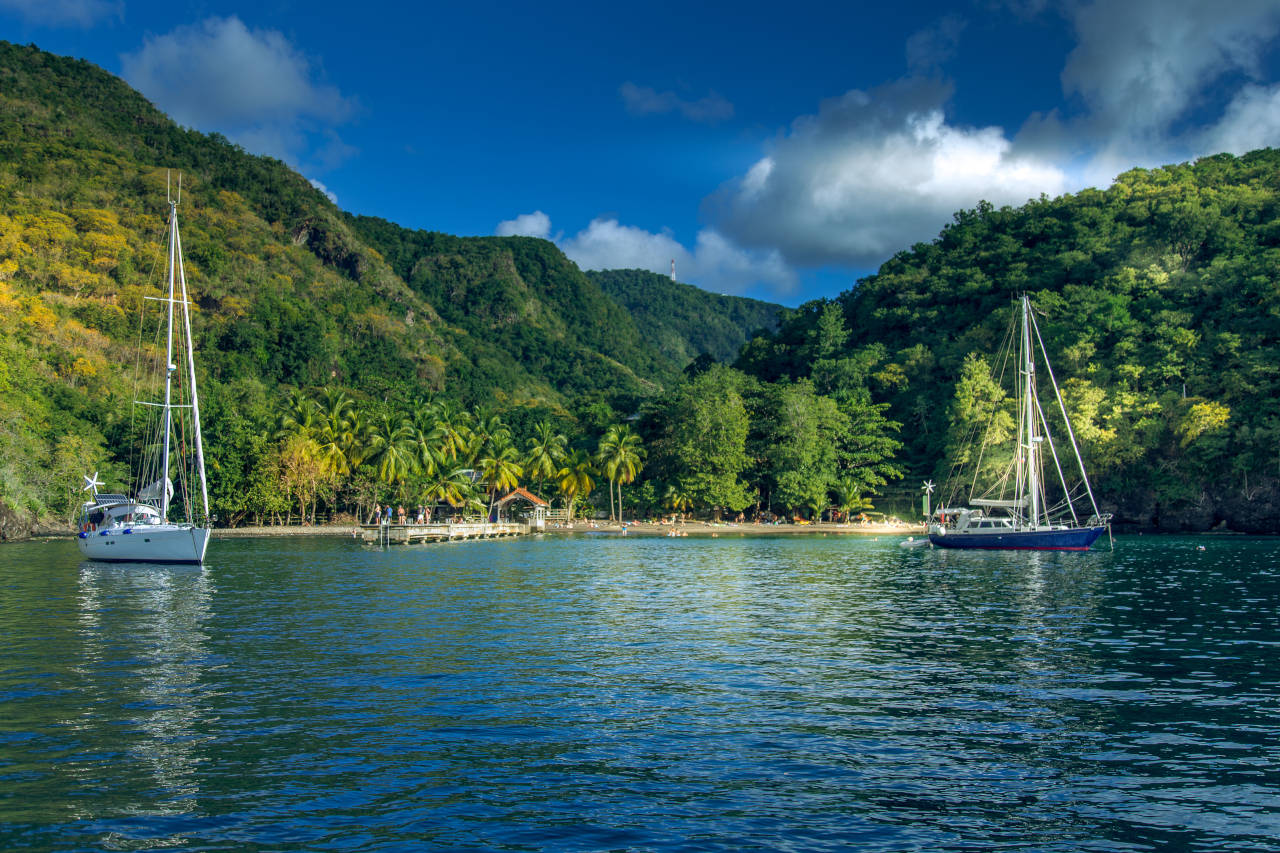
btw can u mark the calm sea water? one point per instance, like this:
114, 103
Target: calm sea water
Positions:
605, 693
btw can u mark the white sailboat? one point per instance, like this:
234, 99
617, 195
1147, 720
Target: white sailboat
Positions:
1027, 520
139, 529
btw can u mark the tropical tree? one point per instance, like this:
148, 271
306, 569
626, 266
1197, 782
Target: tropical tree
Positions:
848, 497
331, 430
868, 446
799, 435
302, 473
298, 417
620, 455
705, 447
452, 488
392, 449
486, 428
575, 478
676, 498
357, 438
500, 468
546, 450
452, 430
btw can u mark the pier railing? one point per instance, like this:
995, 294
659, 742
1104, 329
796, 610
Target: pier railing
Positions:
406, 534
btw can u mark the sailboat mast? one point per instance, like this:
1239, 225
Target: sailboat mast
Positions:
1029, 413
169, 367
191, 373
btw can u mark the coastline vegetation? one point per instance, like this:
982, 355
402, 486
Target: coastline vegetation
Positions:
346, 361
1160, 299
720, 441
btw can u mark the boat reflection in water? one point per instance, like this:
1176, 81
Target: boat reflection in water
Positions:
144, 657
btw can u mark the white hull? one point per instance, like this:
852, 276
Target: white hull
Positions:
146, 543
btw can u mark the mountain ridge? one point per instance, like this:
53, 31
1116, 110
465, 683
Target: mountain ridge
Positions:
290, 290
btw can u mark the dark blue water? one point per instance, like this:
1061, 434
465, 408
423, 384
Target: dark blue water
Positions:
643, 694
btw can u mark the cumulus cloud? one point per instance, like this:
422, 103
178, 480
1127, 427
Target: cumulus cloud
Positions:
1251, 121
714, 263
1151, 81
57, 13
643, 100
253, 86
536, 224
1147, 70
871, 173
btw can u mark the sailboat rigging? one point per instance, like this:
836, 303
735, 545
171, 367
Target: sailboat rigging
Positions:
1028, 520
120, 528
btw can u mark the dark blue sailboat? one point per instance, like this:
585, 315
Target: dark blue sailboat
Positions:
1028, 521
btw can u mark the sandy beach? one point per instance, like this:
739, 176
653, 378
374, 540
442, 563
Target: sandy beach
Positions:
690, 528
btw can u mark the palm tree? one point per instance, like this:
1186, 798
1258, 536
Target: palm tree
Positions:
849, 497
357, 438
452, 488
621, 457
676, 498
546, 449
299, 416
331, 430
574, 478
451, 430
499, 468
392, 448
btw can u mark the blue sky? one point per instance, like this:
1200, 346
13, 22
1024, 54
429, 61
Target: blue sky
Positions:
774, 150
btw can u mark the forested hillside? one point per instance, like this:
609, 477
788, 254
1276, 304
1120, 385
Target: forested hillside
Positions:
683, 321
292, 293
345, 360
1160, 297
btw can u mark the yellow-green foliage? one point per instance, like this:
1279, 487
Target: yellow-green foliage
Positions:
1158, 300
286, 290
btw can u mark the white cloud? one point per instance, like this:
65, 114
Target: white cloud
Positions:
1146, 73
536, 224
1141, 64
1251, 121
252, 85
872, 173
76, 13
327, 192
643, 100
714, 263
934, 45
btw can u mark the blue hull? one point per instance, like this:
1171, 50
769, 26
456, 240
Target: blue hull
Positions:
1076, 539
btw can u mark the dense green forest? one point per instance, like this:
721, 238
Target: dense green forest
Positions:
683, 321
346, 361
1160, 300
292, 295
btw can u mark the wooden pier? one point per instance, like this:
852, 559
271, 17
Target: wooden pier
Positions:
409, 534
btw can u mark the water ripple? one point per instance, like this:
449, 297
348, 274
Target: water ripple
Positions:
649, 694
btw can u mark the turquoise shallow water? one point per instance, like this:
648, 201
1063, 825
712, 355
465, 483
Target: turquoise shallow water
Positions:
600, 693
